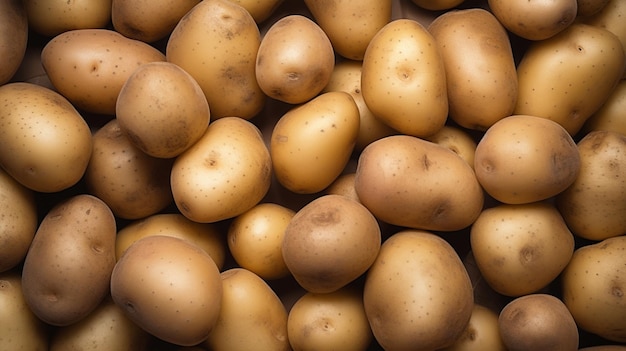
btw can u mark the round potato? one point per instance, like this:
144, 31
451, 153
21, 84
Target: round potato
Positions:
535, 20
13, 37
53, 18
344, 185
481, 333
457, 140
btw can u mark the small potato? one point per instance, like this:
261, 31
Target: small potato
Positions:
51, 18
457, 140
13, 37
437, 5
259, 10
590, 7
295, 60
89, 66
67, 270
133, 184
344, 185
162, 109
535, 20
403, 79
523, 159
481, 333
612, 115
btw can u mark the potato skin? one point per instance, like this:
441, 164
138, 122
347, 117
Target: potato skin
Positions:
53, 18
534, 20
67, 270
13, 37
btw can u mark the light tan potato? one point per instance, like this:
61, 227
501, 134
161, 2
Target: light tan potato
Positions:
51, 18
217, 43
411, 182
89, 66
51, 157
133, 184
480, 70
251, 316
344, 185
67, 270
13, 37
535, 20
295, 60
612, 115
539, 322
312, 143
593, 206
227, 172
350, 25
403, 79
162, 109
523, 159
417, 292
611, 18
481, 333
457, 140
559, 77
148, 21
521, 249
260, 10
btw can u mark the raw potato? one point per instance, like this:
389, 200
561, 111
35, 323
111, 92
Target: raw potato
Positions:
590, 7
21, 328
559, 78
521, 249
538, 322
217, 42
227, 172
417, 294
403, 79
53, 18
535, 20
133, 184
162, 109
148, 20
312, 143
411, 182
611, 18
67, 270
481, 333
260, 9
169, 287
480, 70
13, 37
594, 205
51, 157
457, 140
344, 185
523, 159
330, 242
350, 25
89, 66
332, 321
437, 5
18, 222
611, 116
251, 317
295, 60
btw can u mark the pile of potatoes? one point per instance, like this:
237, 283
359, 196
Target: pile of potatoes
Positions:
313, 175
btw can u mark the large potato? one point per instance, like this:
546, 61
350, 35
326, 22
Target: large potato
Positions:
13, 37
51, 18
535, 20
54, 153
217, 43
411, 182
403, 79
417, 294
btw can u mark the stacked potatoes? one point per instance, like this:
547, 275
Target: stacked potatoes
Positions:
335, 175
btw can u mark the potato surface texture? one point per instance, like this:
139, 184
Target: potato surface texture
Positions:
14, 37
53, 18
535, 20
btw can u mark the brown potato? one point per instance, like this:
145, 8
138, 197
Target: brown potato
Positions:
13, 37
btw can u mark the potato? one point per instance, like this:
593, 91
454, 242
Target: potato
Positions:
295, 60
18, 222
227, 172
532, 20
169, 287
148, 21
133, 184
350, 25
520, 249
21, 328
538, 322
251, 316
480, 70
346, 77
162, 109
330, 242
217, 43
311, 144
611, 115
105, 329
344, 185
411, 182
67, 269
610, 17
403, 79
332, 321
457, 140
13, 37
417, 294
207, 236
594, 205
255, 239
481, 333
55, 152
259, 10
53, 18
89, 66
437, 5
522, 159
587, 8
559, 77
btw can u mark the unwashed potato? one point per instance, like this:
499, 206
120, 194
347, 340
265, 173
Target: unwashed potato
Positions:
51, 18
13, 37
535, 20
